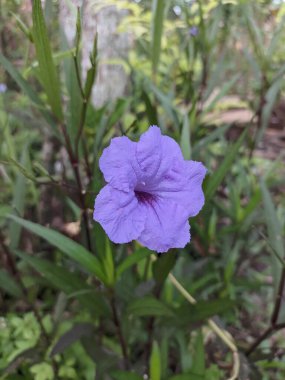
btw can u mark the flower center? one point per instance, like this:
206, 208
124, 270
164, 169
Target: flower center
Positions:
144, 197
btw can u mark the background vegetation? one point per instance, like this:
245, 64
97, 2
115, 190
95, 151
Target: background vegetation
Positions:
75, 306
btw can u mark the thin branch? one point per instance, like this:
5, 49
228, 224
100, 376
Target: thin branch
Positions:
278, 300
119, 331
258, 341
81, 192
274, 326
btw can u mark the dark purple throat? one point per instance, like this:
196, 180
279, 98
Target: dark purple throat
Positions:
144, 197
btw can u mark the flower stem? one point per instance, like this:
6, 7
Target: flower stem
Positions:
222, 334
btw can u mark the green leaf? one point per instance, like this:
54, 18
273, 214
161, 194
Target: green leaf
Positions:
58, 276
69, 247
255, 35
23, 26
270, 100
162, 266
48, 74
150, 108
27, 89
9, 285
252, 204
185, 139
42, 371
202, 310
199, 362
108, 264
133, 259
224, 168
223, 91
68, 282
91, 73
210, 136
77, 331
74, 95
155, 363
19, 196
149, 306
166, 103
156, 31
120, 108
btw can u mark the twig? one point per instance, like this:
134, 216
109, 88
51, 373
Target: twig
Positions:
274, 326
81, 192
119, 331
278, 300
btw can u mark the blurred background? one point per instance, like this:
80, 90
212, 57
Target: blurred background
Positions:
74, 74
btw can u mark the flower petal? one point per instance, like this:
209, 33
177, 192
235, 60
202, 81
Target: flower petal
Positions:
148, 152
182, 184
118, 164
155, 154
166, 226
120, 215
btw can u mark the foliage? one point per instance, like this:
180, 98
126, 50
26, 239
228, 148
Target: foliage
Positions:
76, 306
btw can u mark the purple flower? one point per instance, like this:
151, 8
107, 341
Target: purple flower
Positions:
193, 31
151, 191
3, 88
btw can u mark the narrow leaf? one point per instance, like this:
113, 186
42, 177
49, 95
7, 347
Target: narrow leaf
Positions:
133, 259
199, 363
225, 166
69, 247
19, 196
185, 139
155, 363
48, 74
156, 31
162, 266
149, 306
9, 285
77, 331
108, 263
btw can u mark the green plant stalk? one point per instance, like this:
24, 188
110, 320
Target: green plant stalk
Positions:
81, 192
222, 334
